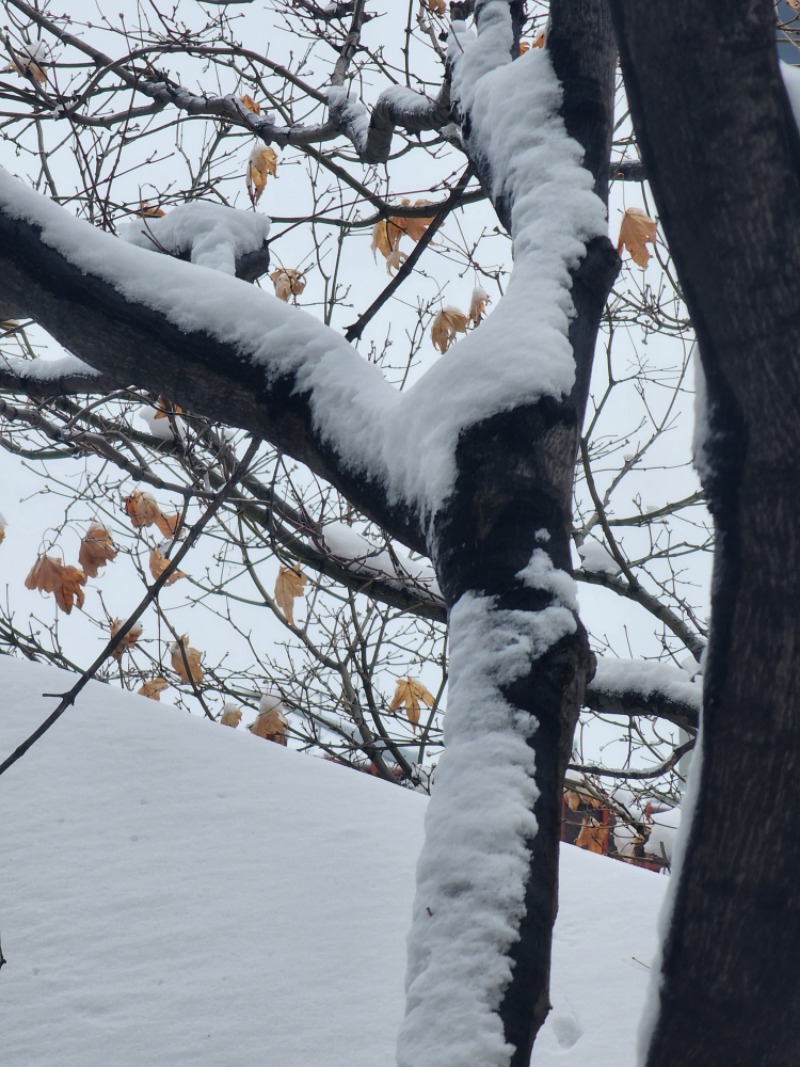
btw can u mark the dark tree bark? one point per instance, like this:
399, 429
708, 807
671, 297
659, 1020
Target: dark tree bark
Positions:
516, 474
722, 150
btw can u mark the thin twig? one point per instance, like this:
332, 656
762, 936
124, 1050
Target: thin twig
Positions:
67, 699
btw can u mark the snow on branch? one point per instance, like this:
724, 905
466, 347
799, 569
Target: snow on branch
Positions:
635, 687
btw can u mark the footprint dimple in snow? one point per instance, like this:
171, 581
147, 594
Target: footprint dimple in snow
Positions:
566, 1030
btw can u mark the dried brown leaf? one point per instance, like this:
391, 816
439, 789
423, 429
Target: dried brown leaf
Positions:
436, 7
64, 582
477, 307
250, 104
408, 694
271, 722
141, 509
289, 585
168, 524
263, 162
231, 716
96, 550
288, 282
187, 661
150, 211
2, 529
593, 836
446, 325
128, 641
636, 232
158, 565
153, 688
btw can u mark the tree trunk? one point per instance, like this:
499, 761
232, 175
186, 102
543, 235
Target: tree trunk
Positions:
723, 154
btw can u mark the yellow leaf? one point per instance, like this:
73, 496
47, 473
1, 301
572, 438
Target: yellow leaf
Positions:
287, 282
636, 232
128, 641
288, 586
158, 565
263, 162
477, 307
96, 550
186, 661
50, 576
408, 694
250, 104
271, 722
231, 716
446, 325
153, 688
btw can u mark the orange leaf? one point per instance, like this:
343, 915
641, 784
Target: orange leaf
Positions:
186, 661
50, 576
636, 232
29, 62
141, 509
150, 211
446, 325
288, 282
153, 688
414, 227
250, 104
436, 7
96, 550
128, 641
271, 722
158, 565
593, 836
288, 586
263, 162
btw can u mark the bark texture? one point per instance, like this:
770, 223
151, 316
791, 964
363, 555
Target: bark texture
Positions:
516, 473
723, 153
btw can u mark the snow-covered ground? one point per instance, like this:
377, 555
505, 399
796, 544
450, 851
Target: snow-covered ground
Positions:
176, 892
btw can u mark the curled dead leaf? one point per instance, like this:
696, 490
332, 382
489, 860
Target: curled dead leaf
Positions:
186, 661
477, 307
29, 62
96, 550
263, 162
64, 582
287, 282
231, 716
2, 529
141, 509
636, 232
289, 585
271, 723
593, 836
250, 104
436, 7
408, 694
158, 564
150, 211
128, 641
446, 325
153, 688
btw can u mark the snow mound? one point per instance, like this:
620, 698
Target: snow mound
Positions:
173, 891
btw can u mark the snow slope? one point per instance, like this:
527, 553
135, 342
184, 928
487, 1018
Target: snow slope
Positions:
176, 892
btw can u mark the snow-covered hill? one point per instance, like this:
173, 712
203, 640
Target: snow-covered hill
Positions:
178, 893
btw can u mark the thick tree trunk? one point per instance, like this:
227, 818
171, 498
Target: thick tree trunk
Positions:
723, 154
514, 493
